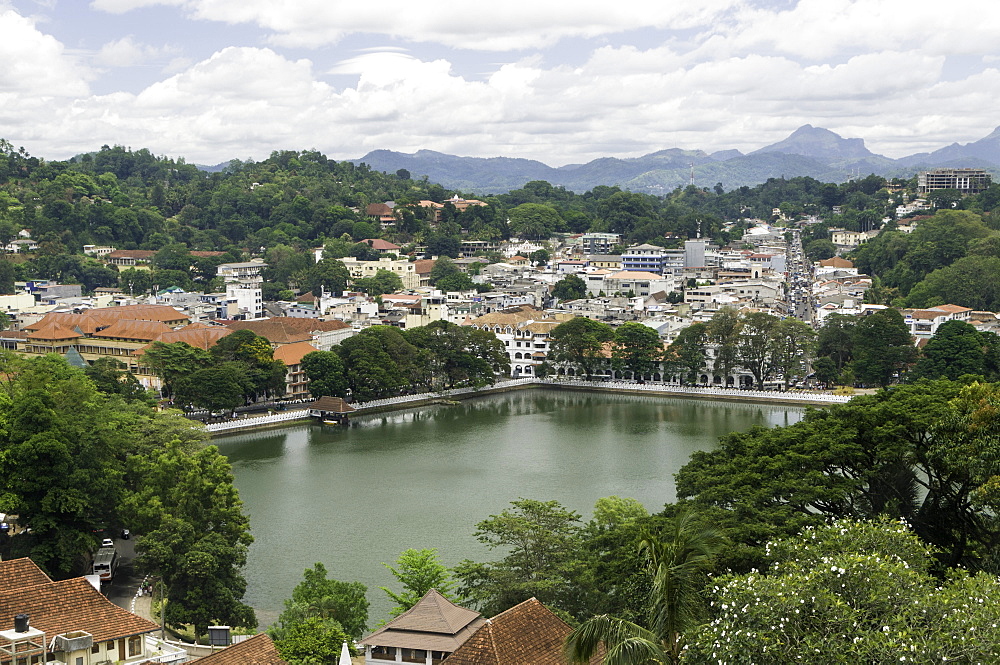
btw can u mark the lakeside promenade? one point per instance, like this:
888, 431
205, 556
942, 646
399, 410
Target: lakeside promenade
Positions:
794, 397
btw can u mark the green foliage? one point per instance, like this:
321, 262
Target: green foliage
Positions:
320, 616
539, 538
686, 354
850, 592
956, 349
636, 349
455, 282
418, 571
384, 281
676, 563
193, 533
570, 287
882, 348
915, 452
325, 371
580, 342
173, 362
455, 356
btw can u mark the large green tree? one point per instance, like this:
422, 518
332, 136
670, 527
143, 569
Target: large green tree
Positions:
418, 571
321, 614
539, 538
925, 453
580, 342
677, 563
636, 349
192, 533
883, 348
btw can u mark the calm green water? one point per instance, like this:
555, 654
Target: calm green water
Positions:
355, 497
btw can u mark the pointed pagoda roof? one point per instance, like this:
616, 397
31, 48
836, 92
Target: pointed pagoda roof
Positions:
434, 624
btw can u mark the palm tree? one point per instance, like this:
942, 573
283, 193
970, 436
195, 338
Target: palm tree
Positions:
676, 566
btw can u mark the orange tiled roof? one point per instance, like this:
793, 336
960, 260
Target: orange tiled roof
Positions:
131, 254
286, 329
292, 354
143, 331
196, 334
836, 262
54, 332
91, 320
258, 650
17, 573
526, 634
69, 605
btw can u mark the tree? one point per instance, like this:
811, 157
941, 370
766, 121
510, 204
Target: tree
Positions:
328, 275
418, 571
172, 362
325, 371
570, 287
923, 452
956, 348
111, 377
637, 349
882, 347
724, 333
534, 221
321, 614
193, 534
455, 282
820, 250
967, 282
686, 354
384, 281
580, 342
221, 388
677, 566
540, 257
755, 346
254, 361
539, 538
835, 339
850, 592
792, 346
443, 267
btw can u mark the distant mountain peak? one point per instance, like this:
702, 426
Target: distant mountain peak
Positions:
819, 143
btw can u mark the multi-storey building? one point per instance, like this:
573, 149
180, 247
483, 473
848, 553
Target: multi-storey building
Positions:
966, 181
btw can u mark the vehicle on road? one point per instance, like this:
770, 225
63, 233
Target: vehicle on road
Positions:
106, 563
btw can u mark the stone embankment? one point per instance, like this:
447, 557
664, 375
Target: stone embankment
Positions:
800, 398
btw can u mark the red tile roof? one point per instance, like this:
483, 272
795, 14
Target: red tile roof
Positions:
258, 650
526, 634
17, 573
144, 331
286, 329
66, 606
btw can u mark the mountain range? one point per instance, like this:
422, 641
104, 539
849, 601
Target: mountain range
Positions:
808, 151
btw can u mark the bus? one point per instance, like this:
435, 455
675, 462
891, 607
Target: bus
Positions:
106, 563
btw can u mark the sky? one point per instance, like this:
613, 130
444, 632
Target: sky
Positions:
562, 82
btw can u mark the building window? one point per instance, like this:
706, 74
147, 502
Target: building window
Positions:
134, 646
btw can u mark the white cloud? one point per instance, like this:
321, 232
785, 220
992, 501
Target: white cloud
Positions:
35, 64
127, 52
513, 25
740, 76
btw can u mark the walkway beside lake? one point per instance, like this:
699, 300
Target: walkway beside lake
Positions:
794, 397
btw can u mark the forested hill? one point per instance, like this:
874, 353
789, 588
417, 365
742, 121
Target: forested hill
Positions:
285, 205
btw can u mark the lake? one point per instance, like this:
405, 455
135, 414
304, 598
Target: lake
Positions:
355, 497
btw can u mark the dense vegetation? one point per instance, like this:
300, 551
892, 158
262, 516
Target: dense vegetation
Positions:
80, 463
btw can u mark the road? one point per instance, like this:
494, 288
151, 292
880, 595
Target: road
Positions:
123, 588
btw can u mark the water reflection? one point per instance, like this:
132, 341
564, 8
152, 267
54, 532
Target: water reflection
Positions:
353, 497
